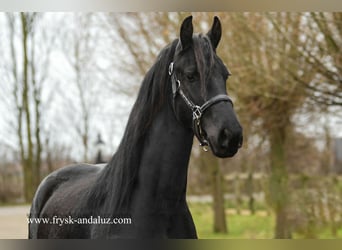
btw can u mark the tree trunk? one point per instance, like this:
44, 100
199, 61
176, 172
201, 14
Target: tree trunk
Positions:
37, 112
278, 183
216, 184
83, 129
18, 94
250, 191
29, 161
220, 223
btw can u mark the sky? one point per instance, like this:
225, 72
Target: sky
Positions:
61, 104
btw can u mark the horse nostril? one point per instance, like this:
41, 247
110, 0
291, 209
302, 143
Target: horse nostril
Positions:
225, 134
228, 139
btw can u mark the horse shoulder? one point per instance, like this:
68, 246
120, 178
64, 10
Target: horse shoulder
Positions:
55, 183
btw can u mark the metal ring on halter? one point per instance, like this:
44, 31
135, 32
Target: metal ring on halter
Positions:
178, 85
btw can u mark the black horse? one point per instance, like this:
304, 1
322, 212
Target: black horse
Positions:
182, 95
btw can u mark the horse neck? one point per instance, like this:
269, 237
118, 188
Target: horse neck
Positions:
165, 157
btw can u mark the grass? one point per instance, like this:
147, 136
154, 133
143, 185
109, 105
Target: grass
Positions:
239, 226
244, 205
257, 226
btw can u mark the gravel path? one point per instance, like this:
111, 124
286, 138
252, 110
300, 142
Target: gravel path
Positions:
13, 222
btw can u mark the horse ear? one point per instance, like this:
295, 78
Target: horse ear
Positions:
215, 32
186, 33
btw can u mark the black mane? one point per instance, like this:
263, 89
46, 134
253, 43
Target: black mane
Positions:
115, 184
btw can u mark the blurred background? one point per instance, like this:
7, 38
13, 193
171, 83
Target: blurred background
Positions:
69, 80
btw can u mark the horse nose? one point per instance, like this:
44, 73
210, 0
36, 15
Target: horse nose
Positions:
230, 139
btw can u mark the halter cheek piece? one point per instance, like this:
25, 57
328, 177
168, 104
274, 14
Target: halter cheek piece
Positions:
197, 111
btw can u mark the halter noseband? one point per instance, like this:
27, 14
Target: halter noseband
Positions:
197, 111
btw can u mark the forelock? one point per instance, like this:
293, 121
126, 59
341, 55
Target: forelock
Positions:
204, 56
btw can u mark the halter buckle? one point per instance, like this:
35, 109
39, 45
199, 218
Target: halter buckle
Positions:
197, 113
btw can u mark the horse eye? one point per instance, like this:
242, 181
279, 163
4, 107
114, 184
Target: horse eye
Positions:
190, 77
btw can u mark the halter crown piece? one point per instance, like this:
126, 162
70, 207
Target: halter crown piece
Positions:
197, 111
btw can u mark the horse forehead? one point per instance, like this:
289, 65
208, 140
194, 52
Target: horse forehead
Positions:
201, 55
202, 47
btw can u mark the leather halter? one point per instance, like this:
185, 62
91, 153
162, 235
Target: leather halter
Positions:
197, 111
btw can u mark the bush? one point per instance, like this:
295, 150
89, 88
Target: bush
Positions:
317, 207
